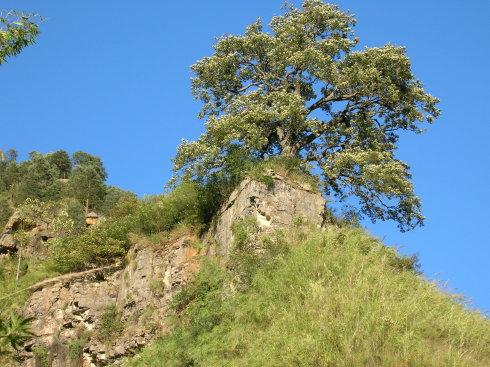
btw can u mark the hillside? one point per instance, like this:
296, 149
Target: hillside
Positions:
319, 298
271, 280
253, 255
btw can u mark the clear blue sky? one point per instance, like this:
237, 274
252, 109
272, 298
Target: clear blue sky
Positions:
112, 78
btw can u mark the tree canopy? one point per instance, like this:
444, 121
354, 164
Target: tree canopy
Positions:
17, 31
53, 177
305, 89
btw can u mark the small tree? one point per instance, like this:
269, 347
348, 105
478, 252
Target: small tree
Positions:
11, 155
88, 186
302, 90
40, 180
62, 161
16, 32
85, 159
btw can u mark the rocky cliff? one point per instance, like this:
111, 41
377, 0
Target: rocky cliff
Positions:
95, 318
37, 229
274, 204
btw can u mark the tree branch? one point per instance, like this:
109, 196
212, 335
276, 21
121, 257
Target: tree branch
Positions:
330, 98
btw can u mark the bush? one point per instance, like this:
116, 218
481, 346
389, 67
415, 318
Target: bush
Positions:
95, 247
110, 323
163, 213
41, 356
75, 348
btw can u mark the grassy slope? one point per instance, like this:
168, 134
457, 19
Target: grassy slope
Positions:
334, 298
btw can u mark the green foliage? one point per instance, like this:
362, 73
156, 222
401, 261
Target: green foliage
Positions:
17, 31
32, 210
76, 250
52, 177
5, 209
75, 212
41, 355
14, 293
40, 180
302, 90
82, 159
114, 198
75, 348
62, 161
110, 323
162, 213
14, 331
157, 287
87, 186
328, 298
95, 247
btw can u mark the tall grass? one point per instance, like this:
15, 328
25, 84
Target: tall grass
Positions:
333, 298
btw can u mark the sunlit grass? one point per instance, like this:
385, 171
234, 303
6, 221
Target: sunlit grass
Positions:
333, 298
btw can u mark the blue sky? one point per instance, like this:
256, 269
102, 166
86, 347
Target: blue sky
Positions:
112, 78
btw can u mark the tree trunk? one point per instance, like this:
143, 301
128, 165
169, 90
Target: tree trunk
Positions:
18, 265
288, 148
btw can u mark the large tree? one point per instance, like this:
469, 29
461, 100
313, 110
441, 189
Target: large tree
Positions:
304, 89
17, 30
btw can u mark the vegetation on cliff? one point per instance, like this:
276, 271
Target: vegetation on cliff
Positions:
318, 298
300, 100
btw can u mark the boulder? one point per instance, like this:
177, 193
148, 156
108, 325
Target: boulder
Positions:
275, 205
7, 244
38, 232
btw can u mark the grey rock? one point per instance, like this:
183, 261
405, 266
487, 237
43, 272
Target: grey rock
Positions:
273, 207
74, 305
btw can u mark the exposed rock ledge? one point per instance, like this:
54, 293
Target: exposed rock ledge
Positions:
274, 206
71, 305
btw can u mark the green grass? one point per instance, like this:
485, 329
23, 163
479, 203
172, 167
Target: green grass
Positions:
110, 323
332, 298
290, 168
13, 292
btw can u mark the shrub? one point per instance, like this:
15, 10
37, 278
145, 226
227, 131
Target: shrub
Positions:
163, 213
95, 247
110, 322
75, 348
41, 355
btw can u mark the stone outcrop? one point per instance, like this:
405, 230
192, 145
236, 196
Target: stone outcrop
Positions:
38, 232
274, 206
92, 219
7, 243
70, 311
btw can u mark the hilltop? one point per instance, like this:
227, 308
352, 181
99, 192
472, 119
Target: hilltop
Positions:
270, 279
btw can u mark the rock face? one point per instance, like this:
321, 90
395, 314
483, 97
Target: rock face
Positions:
274, 206
38, 232
7, 243
94, 318
92, 219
